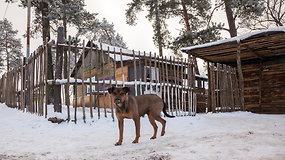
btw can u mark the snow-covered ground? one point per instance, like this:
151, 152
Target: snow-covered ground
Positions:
223, 136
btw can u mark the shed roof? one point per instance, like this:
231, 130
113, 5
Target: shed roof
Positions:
256, 45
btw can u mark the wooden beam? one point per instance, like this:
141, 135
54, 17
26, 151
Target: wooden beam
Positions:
240, 75
251, 50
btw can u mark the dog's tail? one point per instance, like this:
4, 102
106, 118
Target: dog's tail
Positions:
164, 111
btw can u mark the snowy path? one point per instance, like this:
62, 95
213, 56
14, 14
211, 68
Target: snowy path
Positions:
225, 136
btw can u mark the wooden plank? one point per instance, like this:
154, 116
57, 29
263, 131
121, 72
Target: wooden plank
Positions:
155, 73
40, 86
167, 86
68, 78
90, 82
135, 73
163, 77
112, 105
36, 90
46, 76
150, 73
182, 90
103, 73
140, 72
214, 93
160, 70
175, 92
145, 71
115, 67
82, 84
97, 87
172, 88
209, 102
122, 67
75, 85
189, 87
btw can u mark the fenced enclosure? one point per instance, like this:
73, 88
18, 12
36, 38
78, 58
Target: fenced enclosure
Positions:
84, 72
224, 91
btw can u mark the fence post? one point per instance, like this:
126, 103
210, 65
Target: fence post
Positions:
240, 76
58, 70
209, 98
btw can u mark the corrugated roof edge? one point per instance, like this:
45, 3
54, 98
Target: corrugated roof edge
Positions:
234, 39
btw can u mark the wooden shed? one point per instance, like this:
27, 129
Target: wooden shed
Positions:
261, 56
117, 64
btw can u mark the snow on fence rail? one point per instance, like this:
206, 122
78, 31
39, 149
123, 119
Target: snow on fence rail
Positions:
97, 67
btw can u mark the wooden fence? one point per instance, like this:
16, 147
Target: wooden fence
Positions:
224, 92
26, 88
173, 79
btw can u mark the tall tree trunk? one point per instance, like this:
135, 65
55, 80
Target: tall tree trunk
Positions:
188, 29
158, 28
46, 37
230, 17
64, 20
186, 17
7, 55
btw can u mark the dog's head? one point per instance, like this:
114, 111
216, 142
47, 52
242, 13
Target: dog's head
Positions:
119, 94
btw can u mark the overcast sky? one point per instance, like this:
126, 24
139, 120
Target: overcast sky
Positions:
137, 37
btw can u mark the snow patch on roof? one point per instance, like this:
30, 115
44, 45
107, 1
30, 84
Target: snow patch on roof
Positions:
117, 57
237, 38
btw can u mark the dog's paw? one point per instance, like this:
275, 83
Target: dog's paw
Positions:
162, 133
135, 141
118, 144
153, 137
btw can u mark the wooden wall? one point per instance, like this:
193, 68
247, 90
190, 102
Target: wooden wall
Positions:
100, 99
264, 83
109, 73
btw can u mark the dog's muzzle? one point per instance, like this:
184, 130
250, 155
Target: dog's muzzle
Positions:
117, 101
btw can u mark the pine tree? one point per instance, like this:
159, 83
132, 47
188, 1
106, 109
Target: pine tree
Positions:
155, 15
49, 15
195, 16
240, 13
273, 15
10, 47
102, 32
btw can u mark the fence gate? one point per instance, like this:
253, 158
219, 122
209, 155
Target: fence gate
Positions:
224, 91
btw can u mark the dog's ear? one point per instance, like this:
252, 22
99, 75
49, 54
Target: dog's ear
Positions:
126, 89
111, 90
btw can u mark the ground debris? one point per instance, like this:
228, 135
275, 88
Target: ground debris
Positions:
55, 120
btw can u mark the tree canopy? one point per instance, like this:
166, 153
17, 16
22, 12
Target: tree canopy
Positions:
10, 46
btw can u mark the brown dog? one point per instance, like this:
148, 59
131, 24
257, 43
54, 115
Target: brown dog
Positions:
133, 107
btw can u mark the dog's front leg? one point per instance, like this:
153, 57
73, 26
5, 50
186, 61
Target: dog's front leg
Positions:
121, 131
137, 124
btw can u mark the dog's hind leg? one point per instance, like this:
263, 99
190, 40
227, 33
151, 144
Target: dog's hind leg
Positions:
163, 122
152, 122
